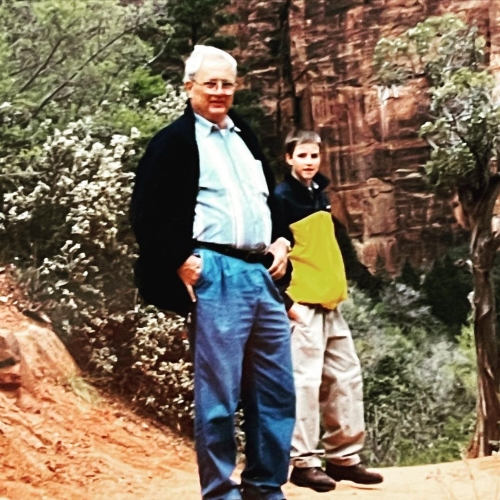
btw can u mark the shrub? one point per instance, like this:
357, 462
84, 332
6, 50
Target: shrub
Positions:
67, 228
446, 288
419, 399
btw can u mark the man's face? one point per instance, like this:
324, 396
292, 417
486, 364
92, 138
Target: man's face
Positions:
304, 161
212, 90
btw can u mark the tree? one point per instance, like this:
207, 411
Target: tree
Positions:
61, 60
193, 22
58, 50
464, 135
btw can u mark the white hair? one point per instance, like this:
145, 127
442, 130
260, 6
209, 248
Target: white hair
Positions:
194, 61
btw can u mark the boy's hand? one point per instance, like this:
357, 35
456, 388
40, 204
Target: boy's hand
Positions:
294, 314
279, 249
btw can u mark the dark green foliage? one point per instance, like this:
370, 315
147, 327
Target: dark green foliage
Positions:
446, 288
144, 86
247, 105
409, 276
194, 22
418, 385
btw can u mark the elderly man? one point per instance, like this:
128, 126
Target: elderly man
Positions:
209, 234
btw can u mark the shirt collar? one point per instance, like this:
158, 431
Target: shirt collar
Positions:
319, 182
207, 127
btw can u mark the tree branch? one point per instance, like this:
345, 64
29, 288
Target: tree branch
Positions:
21, 70
157, 56
479, 161
42, 66
91, 58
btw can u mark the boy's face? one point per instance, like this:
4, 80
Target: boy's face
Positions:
304, 161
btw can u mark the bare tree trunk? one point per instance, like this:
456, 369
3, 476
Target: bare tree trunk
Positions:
483, 249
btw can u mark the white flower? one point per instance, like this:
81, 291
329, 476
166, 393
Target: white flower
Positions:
8, 197
76, 229
118, 139
119, 152
24, 216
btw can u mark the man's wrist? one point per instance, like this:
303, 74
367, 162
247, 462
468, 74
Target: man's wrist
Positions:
287, 243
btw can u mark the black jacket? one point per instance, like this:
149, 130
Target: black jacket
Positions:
163, 207
297, 202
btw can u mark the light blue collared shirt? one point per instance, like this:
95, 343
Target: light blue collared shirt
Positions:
231, 207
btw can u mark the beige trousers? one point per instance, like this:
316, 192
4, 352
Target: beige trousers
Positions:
329, 389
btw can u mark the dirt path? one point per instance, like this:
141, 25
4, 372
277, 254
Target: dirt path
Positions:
63, 448
56, 443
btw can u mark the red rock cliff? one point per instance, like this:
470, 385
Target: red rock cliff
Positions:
311, 60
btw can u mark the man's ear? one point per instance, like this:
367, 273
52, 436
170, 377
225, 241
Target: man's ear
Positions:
288, 159
188, 86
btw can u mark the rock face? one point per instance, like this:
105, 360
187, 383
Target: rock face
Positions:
31, 355
311, 60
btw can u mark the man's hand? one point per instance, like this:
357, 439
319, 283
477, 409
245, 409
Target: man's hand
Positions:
280, 251
189, 273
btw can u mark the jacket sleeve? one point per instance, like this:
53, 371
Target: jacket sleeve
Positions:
283, 283
160, 213
157, 211
355, 270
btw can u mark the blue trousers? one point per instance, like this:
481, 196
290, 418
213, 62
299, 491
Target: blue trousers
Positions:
240, 336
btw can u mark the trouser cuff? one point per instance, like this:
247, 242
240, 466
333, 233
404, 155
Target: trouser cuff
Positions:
344, 461
305, 462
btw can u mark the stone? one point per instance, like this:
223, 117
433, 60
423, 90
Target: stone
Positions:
10, 361
31, 356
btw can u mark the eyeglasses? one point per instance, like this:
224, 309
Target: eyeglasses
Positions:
214, 86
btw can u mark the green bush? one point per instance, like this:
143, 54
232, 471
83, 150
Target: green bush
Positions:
446, 288
67, 228
419, 385
63, 61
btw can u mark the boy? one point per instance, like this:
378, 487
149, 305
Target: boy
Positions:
326, 367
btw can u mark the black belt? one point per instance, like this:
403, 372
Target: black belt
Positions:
250, 256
